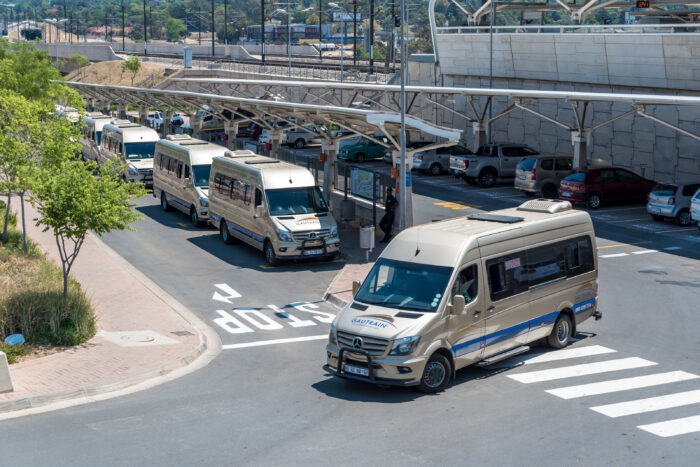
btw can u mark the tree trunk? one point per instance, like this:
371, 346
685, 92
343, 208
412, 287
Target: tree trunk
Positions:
7, 217
65, 284
24, 224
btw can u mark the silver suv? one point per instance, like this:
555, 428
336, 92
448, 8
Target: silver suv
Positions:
437, 160
672, 201
695, 209
542, 174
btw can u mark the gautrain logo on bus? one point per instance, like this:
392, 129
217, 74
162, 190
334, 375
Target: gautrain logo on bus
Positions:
373, 321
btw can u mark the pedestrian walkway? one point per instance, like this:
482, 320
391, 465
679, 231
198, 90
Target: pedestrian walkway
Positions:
144, 335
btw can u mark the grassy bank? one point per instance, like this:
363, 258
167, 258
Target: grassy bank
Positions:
31, 298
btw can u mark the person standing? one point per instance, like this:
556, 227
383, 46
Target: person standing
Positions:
387, 221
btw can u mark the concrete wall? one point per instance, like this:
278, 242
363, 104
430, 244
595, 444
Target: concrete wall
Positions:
657, 64
234, 51
282, 49
94, 52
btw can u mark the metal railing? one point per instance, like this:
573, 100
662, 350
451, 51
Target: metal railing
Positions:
318, 73
575, 29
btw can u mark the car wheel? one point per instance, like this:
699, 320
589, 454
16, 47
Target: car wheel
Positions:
561, 333
164, 202
657, 218
593, 201
550, 191
435, 169
299, 144
436, 374
487, 178
194, 217
360, 157
683, 218
224, 233
270, 255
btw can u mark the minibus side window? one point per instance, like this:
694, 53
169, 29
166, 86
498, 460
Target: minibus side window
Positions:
258, 197
579, 256
179, 169
502, 274
187, 171
466, 284
544, 264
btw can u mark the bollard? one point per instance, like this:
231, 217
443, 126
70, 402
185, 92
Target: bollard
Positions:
5, 380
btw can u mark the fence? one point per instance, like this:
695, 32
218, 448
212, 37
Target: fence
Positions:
575, 29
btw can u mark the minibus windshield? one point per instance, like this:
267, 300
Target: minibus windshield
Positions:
200, 175
403, 285
139, 150
300, 200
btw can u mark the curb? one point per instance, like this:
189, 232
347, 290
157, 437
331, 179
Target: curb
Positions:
209, 347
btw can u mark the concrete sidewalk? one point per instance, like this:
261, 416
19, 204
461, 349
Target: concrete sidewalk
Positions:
144, 337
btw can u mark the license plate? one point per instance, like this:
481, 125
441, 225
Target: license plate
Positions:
565, 193
521, 177
356, 370
654, 210
317, 251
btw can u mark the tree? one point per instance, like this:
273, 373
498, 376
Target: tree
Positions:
132, 65
72, 202
312, 19
174, 29
79, 61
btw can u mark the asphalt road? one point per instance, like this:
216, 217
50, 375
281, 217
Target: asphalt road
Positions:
273, 404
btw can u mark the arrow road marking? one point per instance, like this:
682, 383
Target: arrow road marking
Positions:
227, 290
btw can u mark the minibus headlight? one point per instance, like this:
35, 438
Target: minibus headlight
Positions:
332, 336
284, 236
405, 345
133, 171
204, 202
334, 231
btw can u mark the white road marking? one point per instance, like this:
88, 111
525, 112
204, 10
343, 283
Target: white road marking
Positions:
226, 289
274, 341
616, 255
679, 426
674, 230
650, 404
581, 370
625, 384
671, 248
570, 353
644, 252
626, 220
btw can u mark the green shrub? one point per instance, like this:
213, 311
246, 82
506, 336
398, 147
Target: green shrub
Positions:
14, 351
13, 217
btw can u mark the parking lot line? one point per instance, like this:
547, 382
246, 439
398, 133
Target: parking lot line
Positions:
643, 252
671, 248
273, 342
679, 426
650, 404
616, 255
581, 370
669, 231
624, 384
570, 353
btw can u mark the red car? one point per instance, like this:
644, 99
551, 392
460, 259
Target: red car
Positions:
605, 185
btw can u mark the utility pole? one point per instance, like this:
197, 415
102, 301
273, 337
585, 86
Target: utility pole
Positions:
371, 37
354, 32
320, 30
145, 31
213, 30
199, 26
262, 30
123, 28
403, 170
71, 27
225, 22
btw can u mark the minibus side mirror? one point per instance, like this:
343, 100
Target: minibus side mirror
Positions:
356, 287
259, 211
458, 304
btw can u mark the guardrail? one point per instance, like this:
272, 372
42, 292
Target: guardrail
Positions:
575, 29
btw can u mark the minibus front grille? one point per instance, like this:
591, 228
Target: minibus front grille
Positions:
322, 234
146, 172
371, 344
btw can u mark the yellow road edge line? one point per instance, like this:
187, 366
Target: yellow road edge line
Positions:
622, 244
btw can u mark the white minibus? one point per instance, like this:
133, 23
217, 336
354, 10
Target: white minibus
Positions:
132, 144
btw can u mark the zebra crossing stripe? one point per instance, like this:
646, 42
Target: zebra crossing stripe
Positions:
569, 353
625, 384
679, 426
581, 370
650, 404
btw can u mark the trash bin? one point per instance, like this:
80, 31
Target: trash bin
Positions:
367, 237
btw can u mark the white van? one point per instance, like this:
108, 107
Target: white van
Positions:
92, 134
132, 144
273, 205
181, 175
474, 289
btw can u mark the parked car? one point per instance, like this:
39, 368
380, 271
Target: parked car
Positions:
542, 174
299, 138
253, 131
695, 209
491, 162
596, 186
155, 119
410, 148
672, 201
436, 161
364, 150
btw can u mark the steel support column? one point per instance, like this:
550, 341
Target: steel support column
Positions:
580, 140
231, 130
330, 167
167, 122
276, 140
143, 115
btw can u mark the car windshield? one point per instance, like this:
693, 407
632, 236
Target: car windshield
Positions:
200, 175
577, 177
403, 285
302, 200
664, 190
527, 164
139, 150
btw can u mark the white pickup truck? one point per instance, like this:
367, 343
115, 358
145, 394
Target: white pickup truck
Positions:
491, 162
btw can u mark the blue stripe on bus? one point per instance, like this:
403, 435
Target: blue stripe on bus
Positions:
258, 237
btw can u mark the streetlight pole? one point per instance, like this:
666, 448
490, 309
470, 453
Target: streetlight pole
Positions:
354, 32
342, 44
320, 30
145, 31
262, 30
491, 21
213, 30
123, 28
371, 36
225, 22
402, 170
